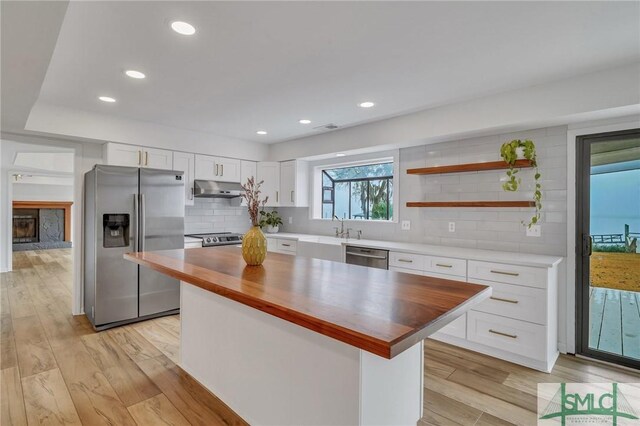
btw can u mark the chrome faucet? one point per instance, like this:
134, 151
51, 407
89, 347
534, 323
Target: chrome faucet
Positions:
340, 232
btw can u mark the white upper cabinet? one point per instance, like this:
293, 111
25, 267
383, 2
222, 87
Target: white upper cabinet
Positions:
217, 168
269, 172
205, 167
157, 158
228, 169
294, 184
185, 162
117, 154
247, 169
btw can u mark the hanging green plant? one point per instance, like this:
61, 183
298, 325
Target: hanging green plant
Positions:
509, 153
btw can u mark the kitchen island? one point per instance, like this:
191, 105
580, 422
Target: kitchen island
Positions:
308, 341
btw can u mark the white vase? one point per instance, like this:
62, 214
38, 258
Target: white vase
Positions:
272, 229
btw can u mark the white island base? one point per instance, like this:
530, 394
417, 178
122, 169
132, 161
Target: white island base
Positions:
273, 372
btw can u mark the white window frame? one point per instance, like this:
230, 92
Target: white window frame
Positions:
315, 183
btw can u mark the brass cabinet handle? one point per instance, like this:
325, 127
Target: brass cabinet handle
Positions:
500, 299
139, 158
276, 196
216, 168
511, 336
146, 158
286, 245
221, 169
513, 274
292, 196
442, 265
405, 260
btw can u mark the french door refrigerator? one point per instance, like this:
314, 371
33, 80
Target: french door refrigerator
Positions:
129, 209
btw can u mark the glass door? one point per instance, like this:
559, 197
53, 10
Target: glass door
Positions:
607, 247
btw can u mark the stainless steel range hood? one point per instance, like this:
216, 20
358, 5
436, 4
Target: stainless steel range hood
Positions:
214, 189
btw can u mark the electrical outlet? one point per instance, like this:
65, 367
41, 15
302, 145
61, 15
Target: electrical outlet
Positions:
406, 225
534, 231
290, 220
452, 227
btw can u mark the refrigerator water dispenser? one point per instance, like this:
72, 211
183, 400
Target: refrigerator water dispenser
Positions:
115, 229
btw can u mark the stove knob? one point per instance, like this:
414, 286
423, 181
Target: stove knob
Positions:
208, 239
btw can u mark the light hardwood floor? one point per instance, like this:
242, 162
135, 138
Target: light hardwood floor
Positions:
56, 370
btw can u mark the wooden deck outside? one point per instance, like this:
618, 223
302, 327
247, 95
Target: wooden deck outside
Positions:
615, 321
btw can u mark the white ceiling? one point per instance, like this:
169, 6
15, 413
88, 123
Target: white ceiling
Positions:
265, 65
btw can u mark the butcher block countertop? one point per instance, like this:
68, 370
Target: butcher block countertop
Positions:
379, 311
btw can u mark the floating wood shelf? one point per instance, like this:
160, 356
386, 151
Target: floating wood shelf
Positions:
471, 167
471, 204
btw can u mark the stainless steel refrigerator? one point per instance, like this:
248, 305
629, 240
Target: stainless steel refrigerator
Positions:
130, 209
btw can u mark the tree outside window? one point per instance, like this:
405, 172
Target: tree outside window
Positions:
358, 192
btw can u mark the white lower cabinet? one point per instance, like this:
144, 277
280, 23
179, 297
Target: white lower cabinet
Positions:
415, 264
281, 245
457, 328
514, 301
517, 323
507, 334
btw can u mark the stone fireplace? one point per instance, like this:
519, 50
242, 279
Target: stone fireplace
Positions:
39, 225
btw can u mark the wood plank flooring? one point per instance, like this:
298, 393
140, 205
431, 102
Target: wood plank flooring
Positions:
615, 321
56, 370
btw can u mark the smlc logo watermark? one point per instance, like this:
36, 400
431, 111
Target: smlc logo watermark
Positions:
589, 403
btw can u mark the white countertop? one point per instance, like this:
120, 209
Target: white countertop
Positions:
524, 259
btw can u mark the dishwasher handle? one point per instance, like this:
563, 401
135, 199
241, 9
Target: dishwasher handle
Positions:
369, 256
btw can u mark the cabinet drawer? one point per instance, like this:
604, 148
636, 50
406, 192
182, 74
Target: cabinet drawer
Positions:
286, 245
405, 270
406, 261
518, 337
511, 274
515, 301
446, 265
456, 328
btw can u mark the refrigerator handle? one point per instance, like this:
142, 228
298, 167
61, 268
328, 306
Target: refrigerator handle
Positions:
134, 232
142, 223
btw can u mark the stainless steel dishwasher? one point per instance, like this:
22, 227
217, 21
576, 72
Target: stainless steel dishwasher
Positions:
373, 258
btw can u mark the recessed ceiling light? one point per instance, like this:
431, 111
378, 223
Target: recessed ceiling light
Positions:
304, 121
183, 28
261, 132
135, 74
367, 104
340, 154
106, 99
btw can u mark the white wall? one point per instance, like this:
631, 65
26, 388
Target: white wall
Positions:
484, 228
35, 192
100, 127
613, 92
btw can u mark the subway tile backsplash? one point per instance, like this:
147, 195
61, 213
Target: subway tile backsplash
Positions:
495, 229
216, 215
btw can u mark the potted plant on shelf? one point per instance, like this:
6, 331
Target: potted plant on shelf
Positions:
254, 243
510, 151
270, 221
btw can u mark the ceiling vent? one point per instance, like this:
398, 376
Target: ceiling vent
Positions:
329, 126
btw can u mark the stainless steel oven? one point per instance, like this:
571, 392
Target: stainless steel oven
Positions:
373, 258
